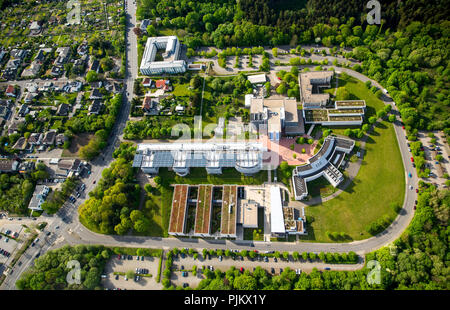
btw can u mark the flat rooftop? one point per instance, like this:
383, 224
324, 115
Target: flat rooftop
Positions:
178, 212
203, 211
229, 206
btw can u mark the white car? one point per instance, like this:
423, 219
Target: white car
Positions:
410, 187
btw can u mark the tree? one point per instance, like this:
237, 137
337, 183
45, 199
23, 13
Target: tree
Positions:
130, 274
281, 89
92, 76
275, 52
372, 120
107, 64
245, 282
342, 94
392, 118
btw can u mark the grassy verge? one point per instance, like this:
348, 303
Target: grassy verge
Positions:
158, 276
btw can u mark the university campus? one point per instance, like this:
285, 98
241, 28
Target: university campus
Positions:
223, 145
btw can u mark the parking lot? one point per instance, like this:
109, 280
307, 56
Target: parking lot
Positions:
431, 150
124, 265
9, 232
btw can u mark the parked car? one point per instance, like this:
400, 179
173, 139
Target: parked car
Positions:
410, 175
272, 270
185, 285
327, 268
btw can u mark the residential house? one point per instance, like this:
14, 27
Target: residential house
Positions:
21, 144
144, 24
95, 66
148, 82
96, 94
35, 139
65, 166
151, 105
63, 55
8, 165
24, 110
40, 194
63, 109
35, 28
60, 139
10, 91
49, 138
36, 65
83, 49
58, 64
29, 97
164, 85
4, 112
73, 87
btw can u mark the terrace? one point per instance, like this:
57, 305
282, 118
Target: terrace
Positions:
203, 213
316, 115
350, 103
345, 118
346, 111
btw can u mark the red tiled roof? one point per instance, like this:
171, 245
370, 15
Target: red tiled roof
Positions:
10, 89
160, 83
147, 102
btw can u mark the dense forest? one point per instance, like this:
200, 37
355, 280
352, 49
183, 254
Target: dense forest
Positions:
305, 14
418, 260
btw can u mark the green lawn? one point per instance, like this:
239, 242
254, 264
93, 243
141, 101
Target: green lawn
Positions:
380, 181
200, 176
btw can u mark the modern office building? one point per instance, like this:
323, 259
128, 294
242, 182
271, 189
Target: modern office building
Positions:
170, 62
279, 116
317, 107
325, 163
246, 158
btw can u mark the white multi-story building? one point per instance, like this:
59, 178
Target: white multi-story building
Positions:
246, 158
170, 64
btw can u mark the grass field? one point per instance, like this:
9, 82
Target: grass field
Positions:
380, 182
77, 142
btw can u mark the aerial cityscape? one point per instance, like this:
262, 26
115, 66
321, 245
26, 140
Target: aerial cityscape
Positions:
224, 145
